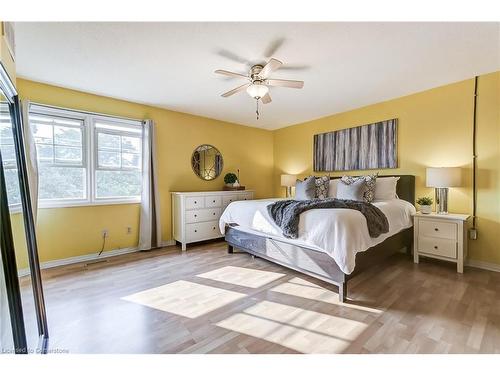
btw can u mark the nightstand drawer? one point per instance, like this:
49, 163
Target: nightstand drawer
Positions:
438, 229
437, 246
207, 214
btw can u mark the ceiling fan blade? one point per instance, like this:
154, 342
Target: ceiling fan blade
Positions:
266, 99
285, 83
230, 74
236, 90
270, 67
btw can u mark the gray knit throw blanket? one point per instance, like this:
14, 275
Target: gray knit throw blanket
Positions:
286, 214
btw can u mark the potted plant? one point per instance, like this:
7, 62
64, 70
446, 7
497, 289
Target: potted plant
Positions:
425, 204
230, 179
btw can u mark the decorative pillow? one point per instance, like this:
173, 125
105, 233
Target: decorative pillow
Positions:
353, 190
385, 188
369, 180
332, 188
305, 190
322, 187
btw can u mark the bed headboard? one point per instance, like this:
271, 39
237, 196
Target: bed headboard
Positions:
405, 187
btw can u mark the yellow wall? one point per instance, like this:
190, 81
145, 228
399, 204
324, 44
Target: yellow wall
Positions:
435, 129
67, 232
6, 58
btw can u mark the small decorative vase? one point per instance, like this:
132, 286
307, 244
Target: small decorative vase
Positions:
426, 209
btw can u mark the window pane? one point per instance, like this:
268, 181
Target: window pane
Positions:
109, 159
61, 182
12, 185
42, 133
108, 142
131, 161
131, 144
45, 153
8, 155
6, 137
70, 155
67, 136
111, 184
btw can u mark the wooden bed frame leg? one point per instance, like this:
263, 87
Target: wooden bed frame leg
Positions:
342, 292
230, 249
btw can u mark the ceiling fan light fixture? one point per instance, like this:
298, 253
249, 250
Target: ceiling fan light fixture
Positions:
257, 90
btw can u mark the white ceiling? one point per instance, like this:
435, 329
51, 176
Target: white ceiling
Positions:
171, 65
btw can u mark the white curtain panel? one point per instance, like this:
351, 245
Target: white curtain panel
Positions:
31, 158
150, 225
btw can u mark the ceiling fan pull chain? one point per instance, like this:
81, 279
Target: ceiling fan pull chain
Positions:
257, 111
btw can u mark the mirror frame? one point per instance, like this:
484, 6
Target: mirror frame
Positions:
8, 250
216, 149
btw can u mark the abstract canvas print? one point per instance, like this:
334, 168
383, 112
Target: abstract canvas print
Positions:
371, 146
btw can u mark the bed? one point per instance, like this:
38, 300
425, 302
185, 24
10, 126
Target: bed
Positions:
333, 245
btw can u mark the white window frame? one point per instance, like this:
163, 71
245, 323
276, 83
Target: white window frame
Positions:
89, 155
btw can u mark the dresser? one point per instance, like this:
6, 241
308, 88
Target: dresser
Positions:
195, 215
441, 236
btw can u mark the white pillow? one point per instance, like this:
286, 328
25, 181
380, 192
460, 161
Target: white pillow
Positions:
332, 188
385, 188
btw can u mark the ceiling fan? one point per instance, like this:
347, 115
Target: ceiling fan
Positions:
259, 80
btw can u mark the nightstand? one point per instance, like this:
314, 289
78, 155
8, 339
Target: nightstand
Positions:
440, 236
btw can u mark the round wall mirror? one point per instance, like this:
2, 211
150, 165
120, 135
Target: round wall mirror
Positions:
207, 162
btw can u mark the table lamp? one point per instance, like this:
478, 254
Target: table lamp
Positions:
288, 180
441, 179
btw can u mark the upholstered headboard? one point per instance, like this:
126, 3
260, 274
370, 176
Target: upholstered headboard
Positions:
405, 187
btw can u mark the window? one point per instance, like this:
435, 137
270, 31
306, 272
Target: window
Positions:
9, 156
85, 158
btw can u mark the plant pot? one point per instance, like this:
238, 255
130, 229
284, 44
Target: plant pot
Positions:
236, 184
425, 209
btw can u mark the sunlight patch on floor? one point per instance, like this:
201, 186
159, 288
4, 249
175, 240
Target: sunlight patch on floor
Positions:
305, 289
295, 328
246, 277
185, 298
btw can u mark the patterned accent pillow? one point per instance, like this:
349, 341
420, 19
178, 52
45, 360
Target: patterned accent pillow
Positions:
370, 180
322, 184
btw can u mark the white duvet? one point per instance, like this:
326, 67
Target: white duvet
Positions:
341, 233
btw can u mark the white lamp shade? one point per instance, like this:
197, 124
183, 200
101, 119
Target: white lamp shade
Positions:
443, 177
288, 179
257, 90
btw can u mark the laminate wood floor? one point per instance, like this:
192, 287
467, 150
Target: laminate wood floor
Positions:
208, 301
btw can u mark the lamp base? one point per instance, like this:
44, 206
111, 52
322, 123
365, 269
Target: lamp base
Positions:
289, 192
442, 201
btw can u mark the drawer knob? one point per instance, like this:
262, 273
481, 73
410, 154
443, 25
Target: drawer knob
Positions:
435, 247
213, 213
436, 229
214, 228
195, 231
213, 201
195, 215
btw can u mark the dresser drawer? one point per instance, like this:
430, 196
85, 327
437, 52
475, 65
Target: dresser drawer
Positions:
207, 214
228, 199
437, 246
245, 197
202, 231
213, 201
195, 202
438, 229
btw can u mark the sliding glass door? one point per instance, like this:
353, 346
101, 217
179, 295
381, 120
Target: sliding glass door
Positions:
23, 323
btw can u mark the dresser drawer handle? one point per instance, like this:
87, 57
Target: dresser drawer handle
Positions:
213, 201
436, 229
195, 231
195, 215
213, 213
214, 228
435, 247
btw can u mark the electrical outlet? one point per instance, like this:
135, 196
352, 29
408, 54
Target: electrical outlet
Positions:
473, 233
129, 230
105, 233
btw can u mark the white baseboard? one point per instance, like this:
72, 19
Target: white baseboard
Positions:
483, 265
88, 257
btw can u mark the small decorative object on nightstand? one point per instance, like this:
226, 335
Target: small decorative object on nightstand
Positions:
288, 180
440, 236
425, 204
